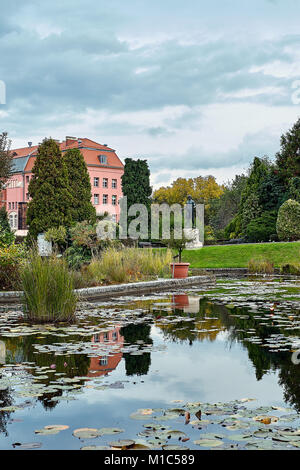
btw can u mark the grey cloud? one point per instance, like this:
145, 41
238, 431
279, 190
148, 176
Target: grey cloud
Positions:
195, 159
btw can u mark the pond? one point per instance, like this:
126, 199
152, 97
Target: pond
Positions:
213, 369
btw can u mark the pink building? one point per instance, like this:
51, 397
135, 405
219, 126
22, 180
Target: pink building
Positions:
104, 167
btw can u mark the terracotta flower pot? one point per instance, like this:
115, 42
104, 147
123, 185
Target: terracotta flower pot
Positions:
180, 270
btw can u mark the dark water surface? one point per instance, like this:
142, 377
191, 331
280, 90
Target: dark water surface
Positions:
164, 355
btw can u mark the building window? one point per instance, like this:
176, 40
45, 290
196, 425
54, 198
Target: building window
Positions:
9, 205
105, 199
105, 183
114, 184
12, 205
103, 361
27, 196
103, 159
96, 182
114, 218
105, 336
114, 200
27, 179
96, 199
114, 336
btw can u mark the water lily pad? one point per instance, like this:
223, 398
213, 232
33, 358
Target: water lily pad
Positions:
122, 443
174, 447
110, 430
208, 443
95, 448
86, 433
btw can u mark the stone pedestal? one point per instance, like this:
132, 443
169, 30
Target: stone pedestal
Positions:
44, 247
193, 235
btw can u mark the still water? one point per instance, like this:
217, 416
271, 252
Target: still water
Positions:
143, 368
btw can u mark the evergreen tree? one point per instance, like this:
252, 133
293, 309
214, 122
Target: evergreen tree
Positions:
288, 158
136, 187
4, 223
49, 189
6, 159
80, 187
136, 182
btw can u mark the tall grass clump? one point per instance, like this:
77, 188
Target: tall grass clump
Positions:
48, 290
260, 266
290, 268
129, 264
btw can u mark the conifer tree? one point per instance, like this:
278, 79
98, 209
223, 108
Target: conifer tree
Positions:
4, 223
136, 182
288, 158
6, 159
49, 189
80, 187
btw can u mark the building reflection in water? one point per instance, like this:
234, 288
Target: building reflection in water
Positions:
102, 365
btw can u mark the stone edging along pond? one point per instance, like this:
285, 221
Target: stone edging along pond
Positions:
117, 290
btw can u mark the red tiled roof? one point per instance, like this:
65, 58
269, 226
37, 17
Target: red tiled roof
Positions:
87, 147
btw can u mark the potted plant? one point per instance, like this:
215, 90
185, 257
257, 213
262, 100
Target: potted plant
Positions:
179, 269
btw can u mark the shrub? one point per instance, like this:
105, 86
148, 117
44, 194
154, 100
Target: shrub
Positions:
290, 268
260, 266
48, 290
261, 228
56, 234
12, 258
288, 221
77, 256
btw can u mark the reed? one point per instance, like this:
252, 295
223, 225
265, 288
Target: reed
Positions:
129, 264
48, 288
260, 266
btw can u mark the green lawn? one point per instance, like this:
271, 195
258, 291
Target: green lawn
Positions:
237, 256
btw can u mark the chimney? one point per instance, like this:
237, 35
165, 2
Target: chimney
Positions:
29, 144
70, 140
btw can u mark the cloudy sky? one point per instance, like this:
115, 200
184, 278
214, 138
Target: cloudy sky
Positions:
196, 87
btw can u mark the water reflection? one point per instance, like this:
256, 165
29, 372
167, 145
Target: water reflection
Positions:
137, 363
186, 319
212, 319
102, 365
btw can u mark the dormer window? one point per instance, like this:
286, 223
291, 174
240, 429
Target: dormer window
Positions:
103, 159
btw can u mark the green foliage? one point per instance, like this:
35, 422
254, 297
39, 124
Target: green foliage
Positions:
48, 290
294, 189
12, 258
56, 234
261, 228
209, 233
50, 191
84, 235
234, 227
136, 182
288, 158
6, 159
288, 221
77, 256
136, 187
80, 187
6, 235
4, 223
225, 208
